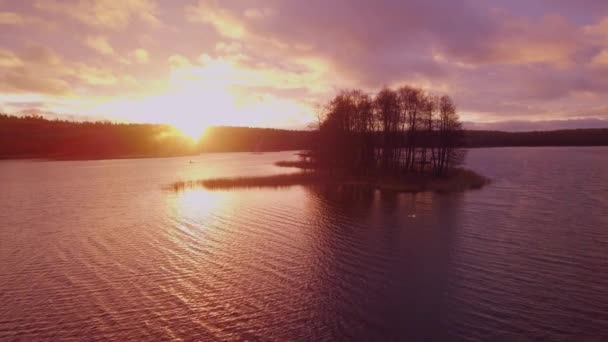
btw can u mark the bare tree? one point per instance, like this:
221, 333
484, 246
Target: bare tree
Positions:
410, 129
388, 113
427, 123
411, 101
449, 135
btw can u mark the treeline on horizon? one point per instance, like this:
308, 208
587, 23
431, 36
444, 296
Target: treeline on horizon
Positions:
248, 139
565, 137
38, 137
252, 139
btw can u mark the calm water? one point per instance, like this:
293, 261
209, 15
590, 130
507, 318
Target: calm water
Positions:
97, 250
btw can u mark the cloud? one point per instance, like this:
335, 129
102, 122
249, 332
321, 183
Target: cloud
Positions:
601, 59
258, 13
24, 81
487, 57
140, 56
109, 14
228, 48
96, 76
225, 22
11, 18
178, 61
598, 31
550, 40
20, 20
9, 60
41, 55
500, 60
235, 71
40, 70
99, 44
37, 69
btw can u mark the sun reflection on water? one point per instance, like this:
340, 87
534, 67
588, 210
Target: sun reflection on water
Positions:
197, 204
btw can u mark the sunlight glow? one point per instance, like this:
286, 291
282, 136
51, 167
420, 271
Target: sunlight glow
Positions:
212, 91
194, 204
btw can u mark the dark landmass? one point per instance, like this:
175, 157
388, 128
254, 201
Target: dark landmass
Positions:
36, 137
457, 181
568, 137
247, 139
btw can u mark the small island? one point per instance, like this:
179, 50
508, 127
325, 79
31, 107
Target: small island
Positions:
403, 140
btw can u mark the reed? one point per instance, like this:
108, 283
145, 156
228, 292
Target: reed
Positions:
300, 164
457, 181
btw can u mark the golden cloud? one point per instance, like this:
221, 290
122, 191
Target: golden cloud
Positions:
96, 76
598, 29
225, 22
99, 44
258, 13
550, 41
21, 20
42, 55
601, 59
178, 61
111, 14
11, 18
24, 81
140, 56
9, 60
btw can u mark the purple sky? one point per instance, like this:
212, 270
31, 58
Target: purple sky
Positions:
510, 65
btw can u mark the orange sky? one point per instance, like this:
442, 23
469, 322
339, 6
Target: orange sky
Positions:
267, 63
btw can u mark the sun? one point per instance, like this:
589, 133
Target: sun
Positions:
196, 98
191, 130
193, 105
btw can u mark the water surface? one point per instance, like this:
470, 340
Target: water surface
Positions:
97, 250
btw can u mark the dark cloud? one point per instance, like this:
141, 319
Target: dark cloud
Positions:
380, 42
505, 59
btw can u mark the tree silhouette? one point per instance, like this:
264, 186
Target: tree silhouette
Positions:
393, 132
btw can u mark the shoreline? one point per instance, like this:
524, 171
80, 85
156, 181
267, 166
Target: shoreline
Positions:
459, 181
95, 158
50, 158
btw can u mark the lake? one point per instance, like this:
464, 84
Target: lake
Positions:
99, 250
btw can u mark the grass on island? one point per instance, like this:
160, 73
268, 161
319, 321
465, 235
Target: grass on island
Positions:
300, 164
281, 180
459, 180
304, 154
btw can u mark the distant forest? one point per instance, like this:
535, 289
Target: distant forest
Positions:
37, 137
246, 139
567, 137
